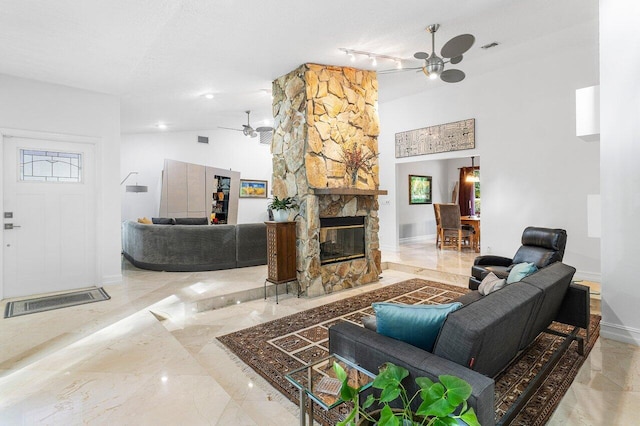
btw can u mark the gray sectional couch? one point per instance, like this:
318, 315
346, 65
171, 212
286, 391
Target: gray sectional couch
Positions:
480, 339
194, 247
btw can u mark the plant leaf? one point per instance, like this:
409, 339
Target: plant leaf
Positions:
368, 402
389, 393
424, 382
458, 390
439, 408
387, 417
340, 373
446, 421
470, 418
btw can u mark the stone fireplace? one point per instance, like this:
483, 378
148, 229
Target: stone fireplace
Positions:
324, 116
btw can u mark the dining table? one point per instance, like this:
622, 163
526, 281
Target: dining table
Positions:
473, 220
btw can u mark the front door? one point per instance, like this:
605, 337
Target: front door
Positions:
49, 216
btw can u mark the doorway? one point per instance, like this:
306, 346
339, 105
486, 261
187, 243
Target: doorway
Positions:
49, 229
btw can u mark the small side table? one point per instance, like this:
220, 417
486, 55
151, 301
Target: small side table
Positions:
318, 381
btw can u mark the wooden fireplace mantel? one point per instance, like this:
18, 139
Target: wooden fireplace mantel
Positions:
348, 191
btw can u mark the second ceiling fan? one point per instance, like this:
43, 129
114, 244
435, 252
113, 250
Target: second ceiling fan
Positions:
247, 130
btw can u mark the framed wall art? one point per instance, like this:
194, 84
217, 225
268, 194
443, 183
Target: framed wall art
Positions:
419, 189
435, 139
253, 188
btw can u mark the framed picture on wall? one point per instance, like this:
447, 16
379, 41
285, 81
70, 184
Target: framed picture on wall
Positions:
253, 188
419, 189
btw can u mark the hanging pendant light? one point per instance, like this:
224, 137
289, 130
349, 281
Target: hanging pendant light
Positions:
472, 177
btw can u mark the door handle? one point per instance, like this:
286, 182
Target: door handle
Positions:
11, 226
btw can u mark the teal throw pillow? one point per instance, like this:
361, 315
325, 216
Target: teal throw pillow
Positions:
520, 271
417, 325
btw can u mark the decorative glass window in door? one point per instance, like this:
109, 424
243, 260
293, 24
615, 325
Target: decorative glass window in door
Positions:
50, 166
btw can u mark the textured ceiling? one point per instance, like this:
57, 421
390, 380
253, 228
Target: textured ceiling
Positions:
161, 56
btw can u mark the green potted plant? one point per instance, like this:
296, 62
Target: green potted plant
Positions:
281, 208
440, 400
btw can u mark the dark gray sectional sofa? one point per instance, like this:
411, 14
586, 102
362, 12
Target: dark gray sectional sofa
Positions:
480, 339
194, 247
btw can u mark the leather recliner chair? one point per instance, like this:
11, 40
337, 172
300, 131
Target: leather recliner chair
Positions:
541, 246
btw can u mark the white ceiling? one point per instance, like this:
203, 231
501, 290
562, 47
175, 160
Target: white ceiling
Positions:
161, 56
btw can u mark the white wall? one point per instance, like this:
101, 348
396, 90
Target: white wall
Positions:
227, 149
43, 107
535, 171
620, 174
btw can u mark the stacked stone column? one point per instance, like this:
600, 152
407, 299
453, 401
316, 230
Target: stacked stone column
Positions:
319, 112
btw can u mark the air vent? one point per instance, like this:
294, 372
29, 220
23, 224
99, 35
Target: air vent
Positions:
490, 45
203, 139
265, 137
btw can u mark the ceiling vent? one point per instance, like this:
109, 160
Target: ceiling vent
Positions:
490, 45
203, 139
265, 137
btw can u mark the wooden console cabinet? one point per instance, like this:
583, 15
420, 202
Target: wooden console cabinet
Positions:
281, 253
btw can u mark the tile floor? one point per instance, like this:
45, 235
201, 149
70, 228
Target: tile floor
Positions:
149, 355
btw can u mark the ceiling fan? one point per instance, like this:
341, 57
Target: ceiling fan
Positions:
247, 130
452, 51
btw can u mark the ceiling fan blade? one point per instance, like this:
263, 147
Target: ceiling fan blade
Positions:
230, 128
457, 45
397, 70
264, 129
421, 55
452, 76
456, 59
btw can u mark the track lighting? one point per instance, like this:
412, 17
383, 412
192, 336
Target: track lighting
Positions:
373, 57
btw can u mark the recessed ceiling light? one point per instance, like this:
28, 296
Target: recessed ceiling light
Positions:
161, 126
209, 95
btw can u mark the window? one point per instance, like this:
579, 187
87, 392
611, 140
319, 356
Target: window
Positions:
50, 166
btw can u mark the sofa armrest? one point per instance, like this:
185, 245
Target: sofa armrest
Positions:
575, 308
371, 350
492, 260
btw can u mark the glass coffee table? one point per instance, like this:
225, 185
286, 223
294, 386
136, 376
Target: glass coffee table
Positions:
318, 381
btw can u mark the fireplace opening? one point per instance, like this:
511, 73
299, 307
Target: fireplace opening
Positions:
341, 238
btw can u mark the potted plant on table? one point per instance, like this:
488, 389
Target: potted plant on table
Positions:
440, 400
282, 207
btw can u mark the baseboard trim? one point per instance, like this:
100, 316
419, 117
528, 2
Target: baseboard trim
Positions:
620, 333
588, 276
418, 238
111, 279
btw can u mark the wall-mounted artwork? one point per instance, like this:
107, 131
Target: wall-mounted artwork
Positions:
253, 188
419, 189
435, 139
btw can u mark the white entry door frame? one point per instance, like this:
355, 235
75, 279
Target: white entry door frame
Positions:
5, 136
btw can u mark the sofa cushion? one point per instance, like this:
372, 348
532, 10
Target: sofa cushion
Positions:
553, 283
485, 335
251, 244
144, 220
519, 271
191, 221
491, 283
162, 220
418, 325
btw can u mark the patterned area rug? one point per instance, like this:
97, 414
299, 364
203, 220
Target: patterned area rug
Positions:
275, 348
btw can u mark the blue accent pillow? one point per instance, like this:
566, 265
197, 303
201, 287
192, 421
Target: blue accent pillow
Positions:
417, 325
520, 271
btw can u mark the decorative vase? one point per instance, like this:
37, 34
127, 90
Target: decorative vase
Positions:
281, 215
354, 178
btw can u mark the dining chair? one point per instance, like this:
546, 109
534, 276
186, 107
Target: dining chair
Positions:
452, 233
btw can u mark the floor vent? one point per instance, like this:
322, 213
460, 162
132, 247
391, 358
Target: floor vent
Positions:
48, 303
